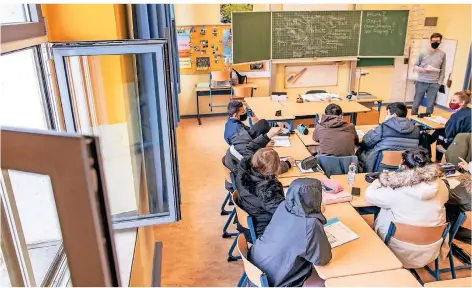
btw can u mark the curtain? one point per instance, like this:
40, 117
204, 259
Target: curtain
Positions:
468, 72
157, 21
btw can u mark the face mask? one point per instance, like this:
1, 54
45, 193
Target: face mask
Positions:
435, 45
454, 106
243, 117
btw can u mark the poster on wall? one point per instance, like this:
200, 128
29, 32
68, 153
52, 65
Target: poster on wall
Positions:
227, 9
227, 45
203, 63
183, 41
185, 63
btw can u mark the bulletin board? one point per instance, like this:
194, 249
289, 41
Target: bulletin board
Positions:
209, 48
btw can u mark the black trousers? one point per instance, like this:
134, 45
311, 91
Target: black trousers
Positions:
439, 137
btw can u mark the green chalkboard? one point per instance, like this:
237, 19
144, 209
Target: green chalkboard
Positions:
383, 32
369, 62
313, 34
251, 36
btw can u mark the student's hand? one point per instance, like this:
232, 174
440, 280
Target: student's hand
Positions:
271, 143
291, 161
463, 165
273, 132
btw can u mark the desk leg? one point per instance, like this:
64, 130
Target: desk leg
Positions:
354, 118
198, 111
379, 106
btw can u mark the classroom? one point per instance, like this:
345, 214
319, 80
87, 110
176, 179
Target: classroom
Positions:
310, 144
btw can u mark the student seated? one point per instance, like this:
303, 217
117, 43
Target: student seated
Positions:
460, 147
237, 114
259, 190
414, 195
396, 133
460, 200
295, 239
246, 142
460, 122
336, 136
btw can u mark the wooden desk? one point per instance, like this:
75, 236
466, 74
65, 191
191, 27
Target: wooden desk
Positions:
264, 108
367, 254
288, 180
428, 124
219, 91
357, 201
460, 282
391, 278
297, 151
308, 139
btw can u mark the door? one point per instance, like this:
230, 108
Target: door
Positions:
102, 95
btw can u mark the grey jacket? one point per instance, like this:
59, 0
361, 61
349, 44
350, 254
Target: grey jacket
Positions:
295, 239
394, 134
245, 146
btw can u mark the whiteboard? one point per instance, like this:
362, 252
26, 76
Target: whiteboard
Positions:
311, 76
419, 45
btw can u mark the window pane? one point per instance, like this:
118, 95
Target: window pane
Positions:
31, 201
13, 13
20, 95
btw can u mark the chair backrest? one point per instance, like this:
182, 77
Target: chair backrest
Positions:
244, 219
336, 165
467, 222
388, 160
242, 91
220, 75
227, 174
315, 91
418, 235
254, 274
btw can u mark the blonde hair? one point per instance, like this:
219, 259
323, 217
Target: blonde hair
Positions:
266, 161
464, 96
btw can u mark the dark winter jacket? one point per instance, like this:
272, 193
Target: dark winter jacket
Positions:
460, 147
458, 123
295, 239
336, 136
232, 126
394, 134
259, 195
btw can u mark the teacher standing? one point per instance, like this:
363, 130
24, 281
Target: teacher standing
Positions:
431, 66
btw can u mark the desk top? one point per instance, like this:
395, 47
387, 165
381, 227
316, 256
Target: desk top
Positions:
288, 180
297, 151
207, 88
264, 108
391, 278
428, 123
312, 108
308, 139
460, 282
357, 201
367, 254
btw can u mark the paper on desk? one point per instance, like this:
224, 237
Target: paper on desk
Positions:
281, 141
437, 119
338, 233
360, 133
299, 165
320, 97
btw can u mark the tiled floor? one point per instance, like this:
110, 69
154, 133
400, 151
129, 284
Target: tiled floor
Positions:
194, 253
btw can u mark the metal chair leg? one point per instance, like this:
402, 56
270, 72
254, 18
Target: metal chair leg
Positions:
228, 222
231, 257
223, 211
413, 271
243, 280
451, 264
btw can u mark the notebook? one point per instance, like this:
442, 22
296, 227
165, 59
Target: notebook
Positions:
437, 119
281, 141
333, 198
338, 233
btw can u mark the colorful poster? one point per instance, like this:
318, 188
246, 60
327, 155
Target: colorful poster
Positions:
185, 63
227, 9
203, 63
184, 44
227, 45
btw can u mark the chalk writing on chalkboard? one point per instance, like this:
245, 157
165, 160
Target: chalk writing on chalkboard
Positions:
315, 34
376, 23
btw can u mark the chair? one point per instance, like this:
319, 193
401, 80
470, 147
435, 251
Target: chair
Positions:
464, 221
241, 92
230, 178
315, 91
418, 235
220, 76
388, 160
245, 221
228, 200
251, 272
336, 165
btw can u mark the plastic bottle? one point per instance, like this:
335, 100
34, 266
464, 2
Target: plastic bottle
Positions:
351, 174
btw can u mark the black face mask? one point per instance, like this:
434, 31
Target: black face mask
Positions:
243, 117
435, 45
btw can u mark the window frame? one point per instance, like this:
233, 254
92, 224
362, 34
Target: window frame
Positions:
13, 32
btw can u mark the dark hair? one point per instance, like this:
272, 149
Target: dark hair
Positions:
464, 96
233, 107
333, 109
398, 108
436, 35
416, 158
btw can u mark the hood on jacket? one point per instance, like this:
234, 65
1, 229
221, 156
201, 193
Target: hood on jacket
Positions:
425, 176
402, 125
304, 197
332, 121
251, 179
